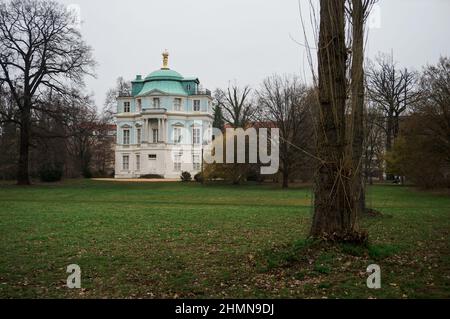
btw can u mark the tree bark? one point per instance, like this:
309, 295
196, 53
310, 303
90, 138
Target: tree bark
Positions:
285, 177
23, 176
389, 137
333, 217
357, 102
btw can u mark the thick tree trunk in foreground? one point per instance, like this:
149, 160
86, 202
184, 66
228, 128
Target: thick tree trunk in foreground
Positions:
357, 93
333, 216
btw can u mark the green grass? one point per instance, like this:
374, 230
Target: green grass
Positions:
171, 240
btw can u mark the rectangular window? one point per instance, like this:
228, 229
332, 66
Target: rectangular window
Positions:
138, 136
177, 135
152, 157
196, 164
196, 136
155, 136
126, 162
196, 105
138, 162
139, 105
126, 107
177, 162
126, 137
156, 103
177, 104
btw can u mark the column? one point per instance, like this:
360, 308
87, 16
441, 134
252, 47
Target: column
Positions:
159, 130
145, 138
150, 132
165, 130
143, 131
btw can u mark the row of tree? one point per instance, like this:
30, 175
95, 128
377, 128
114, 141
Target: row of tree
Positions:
48, 127
282, 102
421, 149
397, 102
357, 118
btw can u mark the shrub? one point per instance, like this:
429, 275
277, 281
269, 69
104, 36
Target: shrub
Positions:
199, 178
51, 173
254, 175
186, 177
87, 173
151, 176
101, 174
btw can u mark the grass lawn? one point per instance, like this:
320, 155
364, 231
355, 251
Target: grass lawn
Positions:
174, 240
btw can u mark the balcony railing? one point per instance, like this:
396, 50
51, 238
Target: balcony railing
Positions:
151, 110
200, 92
124, 94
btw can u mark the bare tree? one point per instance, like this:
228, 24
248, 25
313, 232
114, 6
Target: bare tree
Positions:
8, 135
358, 13
237, 106
332, 210
394, 90
340, 137
219, 122
435, 84
122, 88
81, 123
285, 103
239, 111
40, 49
373, 144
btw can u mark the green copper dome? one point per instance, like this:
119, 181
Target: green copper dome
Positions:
164, 81
164, 74
165, 86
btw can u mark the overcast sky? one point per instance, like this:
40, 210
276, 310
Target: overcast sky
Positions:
240, 40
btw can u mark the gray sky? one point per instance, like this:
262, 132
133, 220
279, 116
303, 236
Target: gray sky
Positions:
239, 40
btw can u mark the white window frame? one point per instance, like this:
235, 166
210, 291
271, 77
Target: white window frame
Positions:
196, 135
138, 162
125, 163
177, 104
177, 135
126, 107
138, 136
177, 162
194, 105
196, 162
126, 137
139, 103
156, 103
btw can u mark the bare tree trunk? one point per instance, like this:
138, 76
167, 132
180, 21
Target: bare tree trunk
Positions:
333, 217
286, 163
24, 145
389, 137
357, 102
285, 177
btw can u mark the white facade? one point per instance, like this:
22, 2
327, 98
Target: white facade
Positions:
162, 126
